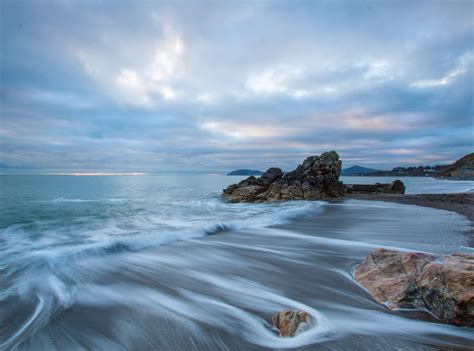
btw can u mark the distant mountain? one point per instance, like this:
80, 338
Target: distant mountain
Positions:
245, 172
462, 169
357, 170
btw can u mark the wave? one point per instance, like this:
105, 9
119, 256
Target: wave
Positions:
169, 230
41, 261
53, 245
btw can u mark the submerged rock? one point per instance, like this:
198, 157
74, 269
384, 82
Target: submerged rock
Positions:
292, 322
443, 285
317, 178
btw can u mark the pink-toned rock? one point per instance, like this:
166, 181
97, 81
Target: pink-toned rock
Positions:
443, 285
292, 322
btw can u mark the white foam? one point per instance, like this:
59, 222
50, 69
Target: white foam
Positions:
150, 230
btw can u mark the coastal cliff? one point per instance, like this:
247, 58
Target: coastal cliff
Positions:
462, 169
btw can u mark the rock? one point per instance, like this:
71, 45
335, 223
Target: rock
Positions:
396, 187
316, 178
443, 285
292, 322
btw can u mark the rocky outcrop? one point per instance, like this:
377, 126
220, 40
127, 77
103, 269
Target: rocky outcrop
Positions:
462, 169
317, 178
292, 322
443, 285
396, 187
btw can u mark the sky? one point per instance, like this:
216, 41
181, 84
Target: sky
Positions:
212, 86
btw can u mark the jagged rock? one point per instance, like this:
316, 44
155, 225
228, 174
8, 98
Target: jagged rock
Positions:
443, 285
292, 322
316, 178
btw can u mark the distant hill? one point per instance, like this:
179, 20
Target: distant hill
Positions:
462, 169
245, 172
420, 171
357, 170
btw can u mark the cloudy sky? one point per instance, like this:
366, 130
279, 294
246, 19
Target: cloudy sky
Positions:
210, 86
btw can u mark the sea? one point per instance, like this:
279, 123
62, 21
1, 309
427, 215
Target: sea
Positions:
163, 262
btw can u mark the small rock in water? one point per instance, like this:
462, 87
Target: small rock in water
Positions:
443, 285
292, 322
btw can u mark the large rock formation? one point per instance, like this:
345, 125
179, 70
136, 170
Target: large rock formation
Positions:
443, 285
316, 178
462, 169
292, 322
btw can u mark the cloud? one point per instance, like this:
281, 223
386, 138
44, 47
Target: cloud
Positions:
166, 58
461, 68
240, 131
152, 86
274, 81
137, 82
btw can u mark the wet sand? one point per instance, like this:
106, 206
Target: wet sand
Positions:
220, 291
462, 203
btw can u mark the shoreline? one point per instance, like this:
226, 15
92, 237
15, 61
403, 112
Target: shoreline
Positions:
461, 203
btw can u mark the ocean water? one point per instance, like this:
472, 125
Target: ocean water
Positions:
162, 262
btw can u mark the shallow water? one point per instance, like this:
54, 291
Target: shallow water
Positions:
163, 263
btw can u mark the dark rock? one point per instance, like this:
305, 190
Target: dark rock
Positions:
317, 178
292, 322
443, 285
272, 173
396, 187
